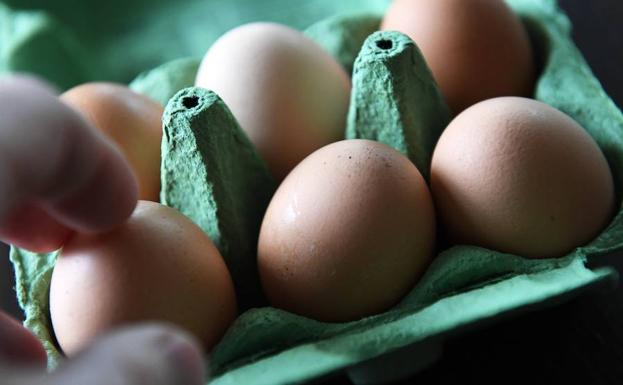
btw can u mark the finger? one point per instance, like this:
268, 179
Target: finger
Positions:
18, 346
31, 227
152, 354
107, 197
51, 158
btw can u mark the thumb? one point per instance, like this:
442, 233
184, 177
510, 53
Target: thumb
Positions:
18, 346
149, 354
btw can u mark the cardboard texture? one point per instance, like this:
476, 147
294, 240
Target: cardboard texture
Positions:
209, 164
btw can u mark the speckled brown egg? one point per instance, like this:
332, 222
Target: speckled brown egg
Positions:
518, 176
287, 93
476, 49
347, 234
157, 266
132, 121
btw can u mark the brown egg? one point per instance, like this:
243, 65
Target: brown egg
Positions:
476, 49
287, 93
129, 119
158, 266
347, 234
521, 177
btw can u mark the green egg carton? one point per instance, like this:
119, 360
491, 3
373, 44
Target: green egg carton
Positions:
466, 287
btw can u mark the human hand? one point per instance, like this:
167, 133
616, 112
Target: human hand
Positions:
58, 175
147, 354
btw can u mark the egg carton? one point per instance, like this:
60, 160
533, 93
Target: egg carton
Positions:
207, 160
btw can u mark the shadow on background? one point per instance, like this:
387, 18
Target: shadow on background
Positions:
579, 342
598, 32
7, 291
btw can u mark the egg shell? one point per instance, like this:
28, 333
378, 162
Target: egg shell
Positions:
518, 176
476, 49
287, 93
347, 234
267, 345
131, 120
157, 266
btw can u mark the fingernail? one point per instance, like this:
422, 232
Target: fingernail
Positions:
187, 362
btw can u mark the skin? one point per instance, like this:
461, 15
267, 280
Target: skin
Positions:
132, 121
59, 176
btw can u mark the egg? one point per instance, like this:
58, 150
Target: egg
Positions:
129, 119
287, 93
518, 176
347, 234
157, 266
476, 49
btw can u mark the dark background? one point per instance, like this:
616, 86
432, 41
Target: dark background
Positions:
578, 342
